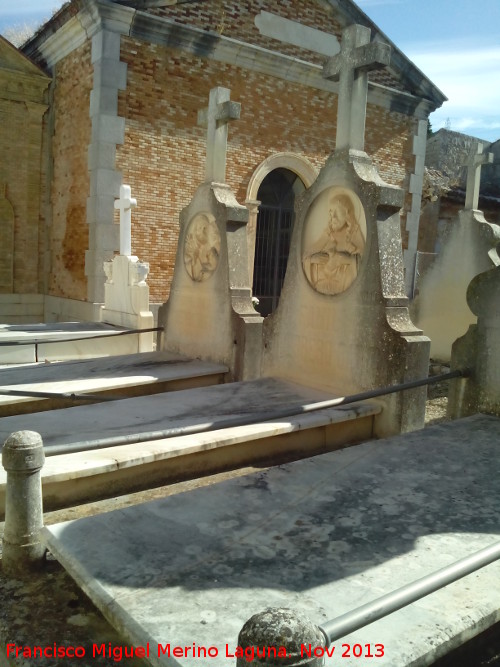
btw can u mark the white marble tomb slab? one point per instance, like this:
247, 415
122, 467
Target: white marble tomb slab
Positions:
322, 536
35, 347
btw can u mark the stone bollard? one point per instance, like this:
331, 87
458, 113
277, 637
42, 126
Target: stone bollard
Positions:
280, 637
23, 458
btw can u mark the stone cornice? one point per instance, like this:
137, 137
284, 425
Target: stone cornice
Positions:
105, 14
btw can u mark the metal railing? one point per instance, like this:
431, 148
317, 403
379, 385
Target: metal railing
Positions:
42, 341
402, 597
243, 420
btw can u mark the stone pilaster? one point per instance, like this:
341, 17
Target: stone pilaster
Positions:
108, 130
413, 217
253, 211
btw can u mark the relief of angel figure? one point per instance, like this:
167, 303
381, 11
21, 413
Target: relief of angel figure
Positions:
331, 264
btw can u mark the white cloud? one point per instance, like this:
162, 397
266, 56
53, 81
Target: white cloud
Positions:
469, 78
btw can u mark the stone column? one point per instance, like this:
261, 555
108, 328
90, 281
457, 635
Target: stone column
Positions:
23, 458
108, 130
276, 637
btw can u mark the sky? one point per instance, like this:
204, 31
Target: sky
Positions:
455, 43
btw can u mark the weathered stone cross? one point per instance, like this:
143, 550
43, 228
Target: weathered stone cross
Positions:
125, 205
220, 111
474, 176
350, 67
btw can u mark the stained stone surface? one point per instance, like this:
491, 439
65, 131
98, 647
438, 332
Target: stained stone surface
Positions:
321, 536
131, 416
97, 375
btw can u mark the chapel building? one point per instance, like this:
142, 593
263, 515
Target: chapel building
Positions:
123, 83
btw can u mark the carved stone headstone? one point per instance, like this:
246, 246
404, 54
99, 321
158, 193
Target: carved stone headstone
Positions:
350, 67
125, 204
441, 307
126, 294
215, 118
342, 323
209, 313
476, 160
479, 351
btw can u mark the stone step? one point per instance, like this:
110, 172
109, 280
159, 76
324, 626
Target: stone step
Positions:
138, 463
123, 375
321, 536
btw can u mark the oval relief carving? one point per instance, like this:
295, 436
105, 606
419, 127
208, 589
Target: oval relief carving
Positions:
333, 241
202, 247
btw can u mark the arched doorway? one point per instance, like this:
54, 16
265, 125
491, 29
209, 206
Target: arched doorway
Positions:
276, 194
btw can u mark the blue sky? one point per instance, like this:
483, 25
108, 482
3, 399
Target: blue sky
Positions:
456, 43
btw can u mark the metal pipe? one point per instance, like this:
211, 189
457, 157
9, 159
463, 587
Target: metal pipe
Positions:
64, 395
387, 604
37, 341
231, 422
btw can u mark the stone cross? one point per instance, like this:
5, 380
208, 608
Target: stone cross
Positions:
125, 205
350, 67
473, 165
215, 118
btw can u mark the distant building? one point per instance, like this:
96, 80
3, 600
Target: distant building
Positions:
443, 193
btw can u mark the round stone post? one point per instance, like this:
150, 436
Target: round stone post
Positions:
23, 458
280, 637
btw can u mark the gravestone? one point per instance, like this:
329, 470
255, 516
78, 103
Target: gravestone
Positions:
342, 323
441, 308
126, 294
209, 313
479, 351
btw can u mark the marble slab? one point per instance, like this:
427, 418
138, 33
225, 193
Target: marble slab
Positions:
322, 536
134, 416
100, 375
30, 342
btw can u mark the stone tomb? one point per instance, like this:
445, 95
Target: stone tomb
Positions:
209, 313
105, 449
320, 536
342, 323
59, 341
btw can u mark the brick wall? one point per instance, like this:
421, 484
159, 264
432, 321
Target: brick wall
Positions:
23, 90
163, 157
20, 147
70, 182
237, 21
